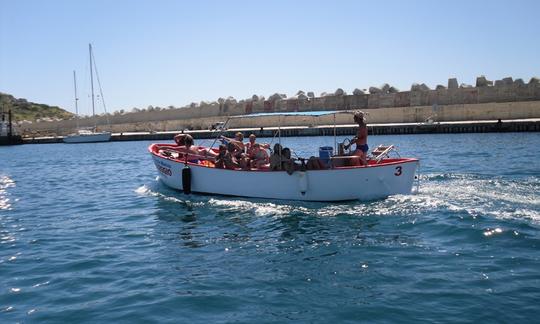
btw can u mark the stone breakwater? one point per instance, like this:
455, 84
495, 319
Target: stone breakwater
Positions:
527, 125
487, 100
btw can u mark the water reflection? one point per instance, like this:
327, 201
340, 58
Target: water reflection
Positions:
5, 183
268, 225
180, 216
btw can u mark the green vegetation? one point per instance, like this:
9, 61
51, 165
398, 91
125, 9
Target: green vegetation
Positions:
24, 110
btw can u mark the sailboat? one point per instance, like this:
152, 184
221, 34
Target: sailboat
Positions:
87, 135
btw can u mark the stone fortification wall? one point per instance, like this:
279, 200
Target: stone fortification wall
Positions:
385, 104
464, 112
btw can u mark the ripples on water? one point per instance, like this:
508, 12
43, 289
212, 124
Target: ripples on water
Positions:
87, 233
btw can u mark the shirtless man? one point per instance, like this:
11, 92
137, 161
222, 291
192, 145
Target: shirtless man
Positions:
361, 138
238, 140
251, 144
225, 159
185, 143
259, 157
239, 151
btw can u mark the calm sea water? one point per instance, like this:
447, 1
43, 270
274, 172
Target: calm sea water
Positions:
87, 234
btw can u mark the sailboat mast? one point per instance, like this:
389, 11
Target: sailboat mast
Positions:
76, 99
92, 80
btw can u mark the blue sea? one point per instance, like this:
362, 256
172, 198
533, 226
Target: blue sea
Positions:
89, 235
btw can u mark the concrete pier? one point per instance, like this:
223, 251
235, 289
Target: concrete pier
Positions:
523, 125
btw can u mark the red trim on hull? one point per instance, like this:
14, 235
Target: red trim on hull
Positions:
153, 149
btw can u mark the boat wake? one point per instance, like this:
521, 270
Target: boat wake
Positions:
478, 196
460, 195
166, 195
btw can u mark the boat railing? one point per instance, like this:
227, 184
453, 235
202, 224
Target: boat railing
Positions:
377, 155
381, 152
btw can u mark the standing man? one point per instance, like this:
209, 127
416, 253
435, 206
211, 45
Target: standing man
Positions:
361, 137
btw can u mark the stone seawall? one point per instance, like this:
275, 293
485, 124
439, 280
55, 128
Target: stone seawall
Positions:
528, 125
467, 112
507, 99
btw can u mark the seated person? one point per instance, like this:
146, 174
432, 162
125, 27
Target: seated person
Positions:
259, 157
185, 143
220, 159
287, 162
275, 158
180, 139
251, 144
239, 155
238, 140
225, 159
240, 151
314, 163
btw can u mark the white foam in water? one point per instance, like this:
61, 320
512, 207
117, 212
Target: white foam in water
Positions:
142, 190
453, 192
145, 190
493, 198
258, 208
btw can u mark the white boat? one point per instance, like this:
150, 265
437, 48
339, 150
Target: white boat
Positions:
379, 179
87, 135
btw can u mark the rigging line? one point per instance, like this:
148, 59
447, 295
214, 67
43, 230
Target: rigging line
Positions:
272, 141
222, 130
76, 100
100, 90
335, 140
86, 95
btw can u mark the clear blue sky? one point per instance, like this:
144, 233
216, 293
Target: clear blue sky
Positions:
175, 52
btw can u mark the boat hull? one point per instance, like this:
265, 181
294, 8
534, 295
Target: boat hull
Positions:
88, 138
348, 183
11, 140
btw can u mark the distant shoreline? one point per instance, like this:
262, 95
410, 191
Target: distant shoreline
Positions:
486, 126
